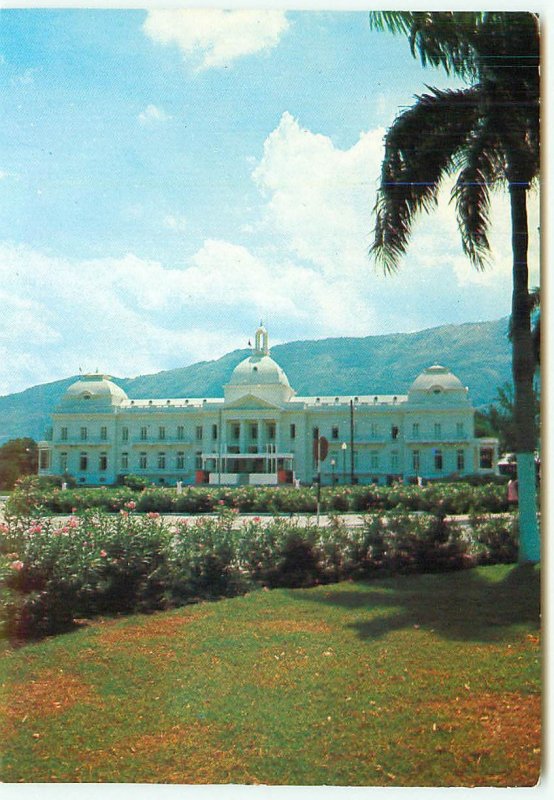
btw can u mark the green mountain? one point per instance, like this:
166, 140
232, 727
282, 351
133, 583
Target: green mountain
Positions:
478, 353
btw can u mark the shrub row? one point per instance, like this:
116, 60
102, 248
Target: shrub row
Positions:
100, 563
452, 498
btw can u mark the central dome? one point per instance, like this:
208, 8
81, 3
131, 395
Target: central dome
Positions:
259, 375
258, 370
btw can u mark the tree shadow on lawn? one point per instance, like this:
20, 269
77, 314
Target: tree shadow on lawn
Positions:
456, 605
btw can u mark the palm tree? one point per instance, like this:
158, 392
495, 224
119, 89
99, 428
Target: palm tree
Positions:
487, 133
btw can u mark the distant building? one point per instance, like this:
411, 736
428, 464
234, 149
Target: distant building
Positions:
261, 433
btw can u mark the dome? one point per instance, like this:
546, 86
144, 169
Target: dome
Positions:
258, 370
259, 375
437, 383
94, 389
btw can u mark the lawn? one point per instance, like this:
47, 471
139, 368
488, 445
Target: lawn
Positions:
415, 680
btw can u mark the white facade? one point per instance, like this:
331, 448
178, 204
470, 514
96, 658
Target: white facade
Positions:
262, 433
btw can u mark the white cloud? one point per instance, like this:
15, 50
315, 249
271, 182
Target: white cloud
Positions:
151, 115
176, 222
27, 77
319, 196
305, 271
128, 316
214, 37
319, 201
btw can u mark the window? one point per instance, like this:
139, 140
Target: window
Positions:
271, 430
438, 460
63, 434
214, 431
124, 460
460, 461
254, 431
374, 459
161, 460
143, 461
144, 433
415, 430
394, 461
198, 460
84, 434
161, 432
374, 431
335, 432
125, 434
394, 432
459, 429
103, 433
293, 431
83, 462
437, 430
180, 461
235, 431
415, 461
103, 462
180, 432
44, 459
63, 463
486, 458
199, 432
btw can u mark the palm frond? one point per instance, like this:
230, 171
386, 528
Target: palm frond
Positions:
482, 166
440, 39
420, 148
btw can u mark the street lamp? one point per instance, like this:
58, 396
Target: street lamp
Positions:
344, 448
333, 463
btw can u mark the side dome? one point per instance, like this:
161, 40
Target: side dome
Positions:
93, 391
437, 384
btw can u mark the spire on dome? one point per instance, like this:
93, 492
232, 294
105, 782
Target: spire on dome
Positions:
261, 341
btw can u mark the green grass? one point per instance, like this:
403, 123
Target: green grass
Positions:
416, 680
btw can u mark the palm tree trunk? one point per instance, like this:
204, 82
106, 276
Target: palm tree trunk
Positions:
523, 367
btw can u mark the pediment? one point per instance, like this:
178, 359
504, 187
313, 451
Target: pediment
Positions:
250, 402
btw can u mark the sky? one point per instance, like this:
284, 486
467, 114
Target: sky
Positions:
170, 178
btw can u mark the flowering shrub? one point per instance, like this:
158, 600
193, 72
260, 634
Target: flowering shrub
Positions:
54, 571
496, 540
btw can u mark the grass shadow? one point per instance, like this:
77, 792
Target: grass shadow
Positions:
462, 605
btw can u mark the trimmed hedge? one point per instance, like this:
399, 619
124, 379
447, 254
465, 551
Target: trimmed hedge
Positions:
452, 498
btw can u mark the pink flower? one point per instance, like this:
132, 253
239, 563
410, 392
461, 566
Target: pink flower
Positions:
73, 510
35, 529
4, 528
221, 502
152, 515
103, 554
131, 505
257, 519
73, 522
17, 565
124, 513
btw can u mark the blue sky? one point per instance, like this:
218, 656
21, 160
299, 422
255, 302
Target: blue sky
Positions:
169, 178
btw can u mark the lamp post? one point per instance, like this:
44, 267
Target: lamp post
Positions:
333, 463
344, 447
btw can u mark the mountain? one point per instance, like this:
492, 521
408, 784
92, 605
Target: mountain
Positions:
477, 352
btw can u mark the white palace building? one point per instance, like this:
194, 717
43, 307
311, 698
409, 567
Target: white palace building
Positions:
260, 432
